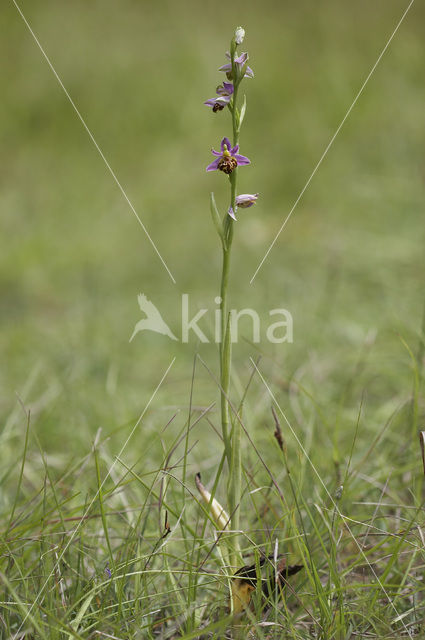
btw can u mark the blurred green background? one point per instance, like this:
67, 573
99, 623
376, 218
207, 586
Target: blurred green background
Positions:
349, 265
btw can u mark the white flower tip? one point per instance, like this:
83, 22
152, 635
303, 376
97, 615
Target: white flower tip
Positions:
239, 35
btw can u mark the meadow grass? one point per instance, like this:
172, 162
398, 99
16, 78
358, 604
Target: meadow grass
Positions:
135, 555
103, 532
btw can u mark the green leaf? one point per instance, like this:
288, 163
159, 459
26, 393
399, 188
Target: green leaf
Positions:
216, 217
242, 113
237, 118
75, 623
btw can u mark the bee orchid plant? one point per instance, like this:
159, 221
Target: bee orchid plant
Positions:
227, 161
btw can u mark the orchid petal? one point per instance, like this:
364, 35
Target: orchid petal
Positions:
228, 87
231, 213
246, 200
214, 165
241, 59
226, 90
225, 143
241, 160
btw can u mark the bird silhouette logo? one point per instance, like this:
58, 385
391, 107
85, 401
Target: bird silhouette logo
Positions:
153, 320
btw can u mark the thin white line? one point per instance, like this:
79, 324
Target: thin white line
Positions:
331, 141
83, 122
328, 494
94, 498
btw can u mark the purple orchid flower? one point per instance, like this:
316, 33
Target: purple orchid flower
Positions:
243, 201
240, 61
224, 93
228, 159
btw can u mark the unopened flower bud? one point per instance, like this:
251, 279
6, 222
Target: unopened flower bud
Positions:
239, 35
244, 201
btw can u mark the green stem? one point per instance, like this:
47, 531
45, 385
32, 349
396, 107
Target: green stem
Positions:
225, 355
232, 440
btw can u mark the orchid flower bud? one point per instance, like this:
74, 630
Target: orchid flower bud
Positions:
239, 35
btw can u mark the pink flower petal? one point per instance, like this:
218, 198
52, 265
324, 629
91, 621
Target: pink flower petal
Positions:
214, 165
225, 142
242, 160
